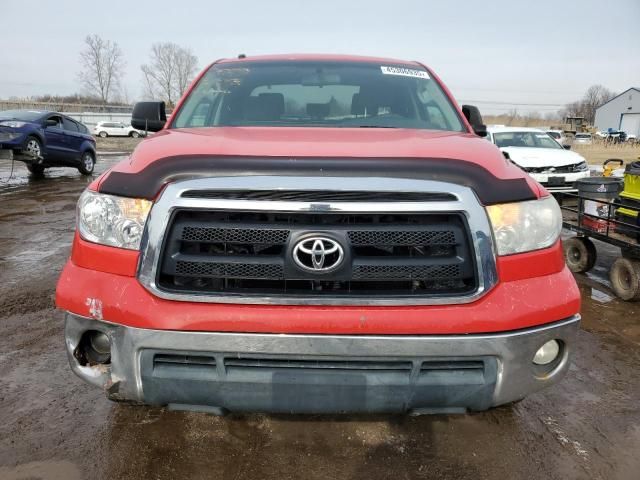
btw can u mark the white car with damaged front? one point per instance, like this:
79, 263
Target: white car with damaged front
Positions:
543, 158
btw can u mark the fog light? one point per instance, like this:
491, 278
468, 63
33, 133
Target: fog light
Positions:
94, 349
100, 343
547, 353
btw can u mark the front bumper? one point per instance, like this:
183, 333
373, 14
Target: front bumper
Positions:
559, 182
11, 140
294, 373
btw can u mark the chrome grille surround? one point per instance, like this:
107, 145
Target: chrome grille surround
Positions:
172, 199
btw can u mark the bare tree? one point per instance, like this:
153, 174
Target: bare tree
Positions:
573, 109
595, 96
552, 117
102, 67
187, 66
170, 70
511, 116
532, 119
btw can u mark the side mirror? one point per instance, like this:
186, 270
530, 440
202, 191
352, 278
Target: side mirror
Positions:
51, 123
472, 114
149, 116
566, 147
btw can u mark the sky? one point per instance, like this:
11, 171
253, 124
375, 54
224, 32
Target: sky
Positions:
498, 54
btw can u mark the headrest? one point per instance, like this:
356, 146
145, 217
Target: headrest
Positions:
318, 110
266, 106
362, 104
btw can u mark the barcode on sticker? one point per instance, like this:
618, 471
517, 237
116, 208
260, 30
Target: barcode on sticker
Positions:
405, 72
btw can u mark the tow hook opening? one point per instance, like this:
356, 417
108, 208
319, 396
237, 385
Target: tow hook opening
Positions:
94, 348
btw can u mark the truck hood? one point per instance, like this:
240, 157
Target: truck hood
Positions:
542, 157
320, 143
460, 158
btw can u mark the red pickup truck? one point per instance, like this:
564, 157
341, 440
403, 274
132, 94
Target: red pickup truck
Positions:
317, 233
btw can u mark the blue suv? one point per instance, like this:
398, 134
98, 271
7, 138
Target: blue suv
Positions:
44, 139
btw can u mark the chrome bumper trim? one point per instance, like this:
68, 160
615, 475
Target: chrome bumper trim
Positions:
517, 376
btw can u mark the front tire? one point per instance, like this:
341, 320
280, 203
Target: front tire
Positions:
87, 163
134, 134
579, 254
625, 279
33, 146
36, 170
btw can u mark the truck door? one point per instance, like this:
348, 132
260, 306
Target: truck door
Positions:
73, 138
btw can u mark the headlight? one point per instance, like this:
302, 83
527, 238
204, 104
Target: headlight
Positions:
525, 226
111, 220
581, 167
12, 124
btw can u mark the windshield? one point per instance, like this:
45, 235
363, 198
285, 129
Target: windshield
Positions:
318, 94
24, 115
525, 139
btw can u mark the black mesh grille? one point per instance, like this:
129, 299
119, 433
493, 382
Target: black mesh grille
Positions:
556, 170
225, 270
411, 237
406, 272
251, 254
234, 235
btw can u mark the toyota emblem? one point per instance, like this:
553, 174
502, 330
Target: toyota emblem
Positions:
318, 254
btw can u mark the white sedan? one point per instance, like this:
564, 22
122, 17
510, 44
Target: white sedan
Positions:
554, 166
116, 129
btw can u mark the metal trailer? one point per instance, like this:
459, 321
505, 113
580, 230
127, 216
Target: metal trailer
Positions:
580, 252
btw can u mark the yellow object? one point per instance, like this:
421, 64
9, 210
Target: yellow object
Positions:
610, 165
628, 212
504, 215
631, 186
135, 208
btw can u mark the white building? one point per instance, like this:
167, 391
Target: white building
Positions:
621, 113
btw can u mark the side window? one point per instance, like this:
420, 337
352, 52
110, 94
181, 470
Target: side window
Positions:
199, 117
82, 128
436, 118
528, 140
435, 108
58, 121
69, 125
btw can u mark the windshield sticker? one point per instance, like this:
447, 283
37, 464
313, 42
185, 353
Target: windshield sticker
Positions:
404, 72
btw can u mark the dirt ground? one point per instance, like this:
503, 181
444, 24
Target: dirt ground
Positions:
54, 426
116, 144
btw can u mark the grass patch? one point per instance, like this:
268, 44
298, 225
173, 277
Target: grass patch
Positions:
598, 152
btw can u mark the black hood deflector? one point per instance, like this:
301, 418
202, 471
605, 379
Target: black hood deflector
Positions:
149, 181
